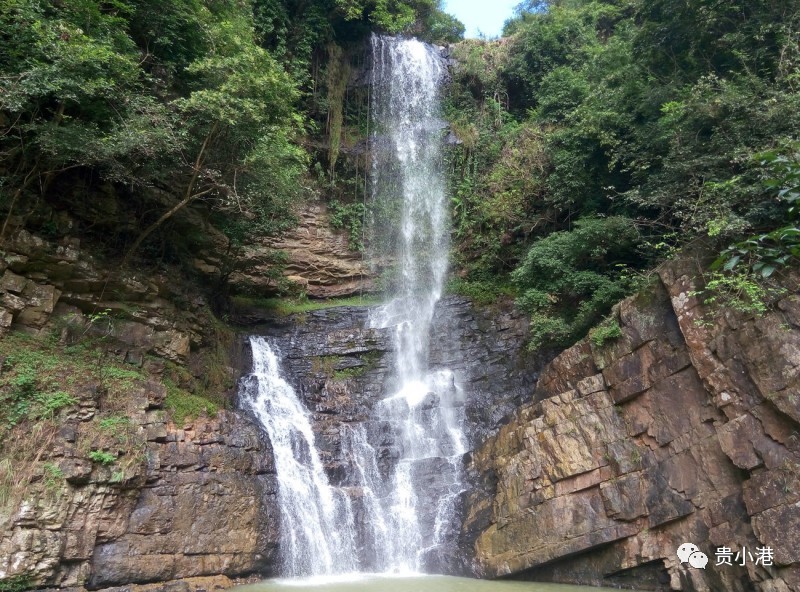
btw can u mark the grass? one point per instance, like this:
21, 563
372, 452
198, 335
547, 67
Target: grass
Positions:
15, 583
34, 380
480, 292
40, 379
608, 330
183, 405
346, 373
102, 457
286, 306
118, 427
53, 476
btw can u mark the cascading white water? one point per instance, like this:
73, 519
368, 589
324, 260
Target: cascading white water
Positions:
426, 406
318, 534
408, 514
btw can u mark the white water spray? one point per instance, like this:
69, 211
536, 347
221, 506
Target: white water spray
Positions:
408, 516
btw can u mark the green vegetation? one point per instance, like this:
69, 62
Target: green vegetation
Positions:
349, 217
53, 476
569, 279
481, 292
183, 405
608, 330
599, 136
102, 457
165, 107
15, 584
30, 383
740, 291
288, 306
348, 373
118, 427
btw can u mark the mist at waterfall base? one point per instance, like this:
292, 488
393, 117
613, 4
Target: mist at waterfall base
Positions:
405, 521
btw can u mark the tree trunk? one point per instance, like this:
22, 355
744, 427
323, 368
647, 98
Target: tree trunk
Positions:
187, 198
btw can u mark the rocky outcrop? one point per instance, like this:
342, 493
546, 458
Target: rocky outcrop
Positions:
43, 281
339, 363
207, 508
341, 367
318, 260
110, 491
164, 504
683, 430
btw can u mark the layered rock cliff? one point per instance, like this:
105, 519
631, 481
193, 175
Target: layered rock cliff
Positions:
339, 365
686, 429
118, 486
123, 490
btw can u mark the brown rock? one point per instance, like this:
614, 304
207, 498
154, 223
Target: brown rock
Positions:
692, 414
624, 498
11, 282
779, 528
319, 260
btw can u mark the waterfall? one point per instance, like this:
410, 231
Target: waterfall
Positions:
317, 524
426, 407
405, 515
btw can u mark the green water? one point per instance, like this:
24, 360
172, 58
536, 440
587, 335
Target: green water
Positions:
382, 583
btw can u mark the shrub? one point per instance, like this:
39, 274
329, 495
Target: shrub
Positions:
608, 330
183, 405
570, 279
739, 290
102, 457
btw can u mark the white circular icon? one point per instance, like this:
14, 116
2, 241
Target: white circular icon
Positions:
698, 559
685, 550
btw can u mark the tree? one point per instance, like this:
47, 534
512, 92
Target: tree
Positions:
240, 126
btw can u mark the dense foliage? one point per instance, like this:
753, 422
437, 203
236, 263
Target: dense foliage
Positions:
594, 138
641, 124
167, 104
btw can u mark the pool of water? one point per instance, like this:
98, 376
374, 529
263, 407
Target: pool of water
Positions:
415, 583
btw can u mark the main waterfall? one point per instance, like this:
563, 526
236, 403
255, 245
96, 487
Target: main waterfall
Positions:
393, 514
426, 407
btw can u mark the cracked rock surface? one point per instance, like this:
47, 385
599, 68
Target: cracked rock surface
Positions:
684, 429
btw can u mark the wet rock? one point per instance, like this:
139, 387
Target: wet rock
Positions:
197, 507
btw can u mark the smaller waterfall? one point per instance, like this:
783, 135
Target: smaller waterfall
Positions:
318, 533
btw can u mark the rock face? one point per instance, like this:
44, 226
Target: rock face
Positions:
686, 429
319, 260
41, 281
207, 508
339, 364
117, 494
683, 430
193, 502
